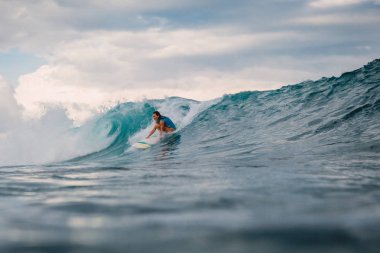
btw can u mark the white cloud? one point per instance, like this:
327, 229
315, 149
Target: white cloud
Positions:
36, 26
129, 5
333, 3
338, 3
364, 47
337, 19
208, 42
102, 68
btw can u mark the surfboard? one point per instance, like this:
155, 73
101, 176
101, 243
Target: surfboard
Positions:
155, 138
141, 145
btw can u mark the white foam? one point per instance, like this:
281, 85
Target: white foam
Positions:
49, 139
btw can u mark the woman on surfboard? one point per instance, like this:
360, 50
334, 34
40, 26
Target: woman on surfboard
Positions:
163, 124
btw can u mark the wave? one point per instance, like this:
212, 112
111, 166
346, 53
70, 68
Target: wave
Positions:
309, 117
299, 118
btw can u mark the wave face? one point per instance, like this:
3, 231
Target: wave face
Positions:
270, 171
297, 120
308, 118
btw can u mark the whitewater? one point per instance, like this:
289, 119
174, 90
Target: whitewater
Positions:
289, 170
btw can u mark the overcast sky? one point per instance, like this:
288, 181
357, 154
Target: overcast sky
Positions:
82, 55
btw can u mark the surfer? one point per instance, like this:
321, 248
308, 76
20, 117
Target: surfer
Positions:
163, 124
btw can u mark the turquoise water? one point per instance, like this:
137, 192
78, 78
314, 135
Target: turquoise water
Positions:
290, 170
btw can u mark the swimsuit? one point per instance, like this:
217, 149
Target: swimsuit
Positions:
167, 122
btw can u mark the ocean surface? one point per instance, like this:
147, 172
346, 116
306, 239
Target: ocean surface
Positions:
290, 170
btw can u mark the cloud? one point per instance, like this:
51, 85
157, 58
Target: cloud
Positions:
103, 68
129, 5
209, 42
337, 19
338, 3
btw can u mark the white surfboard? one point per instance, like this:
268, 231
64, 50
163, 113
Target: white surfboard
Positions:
147, 143
141, 145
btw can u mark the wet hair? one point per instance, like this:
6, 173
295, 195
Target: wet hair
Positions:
159, 116
157, 113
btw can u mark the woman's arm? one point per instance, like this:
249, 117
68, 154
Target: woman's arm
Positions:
151, 132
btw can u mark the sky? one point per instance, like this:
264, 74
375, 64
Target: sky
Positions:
86, 55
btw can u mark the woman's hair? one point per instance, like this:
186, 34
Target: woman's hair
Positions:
157, 113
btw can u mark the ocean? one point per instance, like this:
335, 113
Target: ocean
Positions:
295, 169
